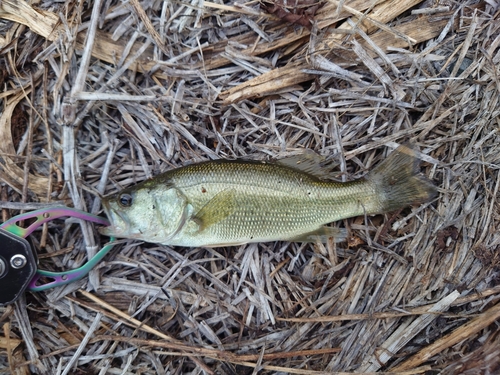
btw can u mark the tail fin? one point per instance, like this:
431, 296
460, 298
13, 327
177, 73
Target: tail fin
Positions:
397, 182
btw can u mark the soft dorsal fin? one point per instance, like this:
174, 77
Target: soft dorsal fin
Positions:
309, 162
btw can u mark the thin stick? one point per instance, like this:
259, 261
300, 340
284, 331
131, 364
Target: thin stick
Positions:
462, 333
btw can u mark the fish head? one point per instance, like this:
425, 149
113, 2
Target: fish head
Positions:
148, 213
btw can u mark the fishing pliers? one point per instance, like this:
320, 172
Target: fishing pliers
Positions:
18, 260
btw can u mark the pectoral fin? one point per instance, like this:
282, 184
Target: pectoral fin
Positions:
217, 209
321, 234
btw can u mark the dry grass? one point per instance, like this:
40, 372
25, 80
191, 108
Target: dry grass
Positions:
100, 95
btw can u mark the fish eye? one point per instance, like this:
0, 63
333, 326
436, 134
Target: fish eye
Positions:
125, 200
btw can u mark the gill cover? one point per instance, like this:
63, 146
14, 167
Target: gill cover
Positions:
154, 214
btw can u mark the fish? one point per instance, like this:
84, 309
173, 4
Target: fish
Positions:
234, 202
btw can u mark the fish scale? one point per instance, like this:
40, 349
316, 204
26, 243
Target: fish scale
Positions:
284, 203
225, 202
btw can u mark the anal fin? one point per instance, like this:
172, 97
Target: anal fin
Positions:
321, 234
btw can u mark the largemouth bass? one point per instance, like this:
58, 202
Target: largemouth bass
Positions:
231, 202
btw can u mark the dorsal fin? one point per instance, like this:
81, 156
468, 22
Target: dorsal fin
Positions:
310, 163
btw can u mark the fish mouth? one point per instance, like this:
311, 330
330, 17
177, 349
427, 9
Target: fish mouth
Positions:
118, 224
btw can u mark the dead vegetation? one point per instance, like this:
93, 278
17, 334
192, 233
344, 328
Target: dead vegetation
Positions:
99, 95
